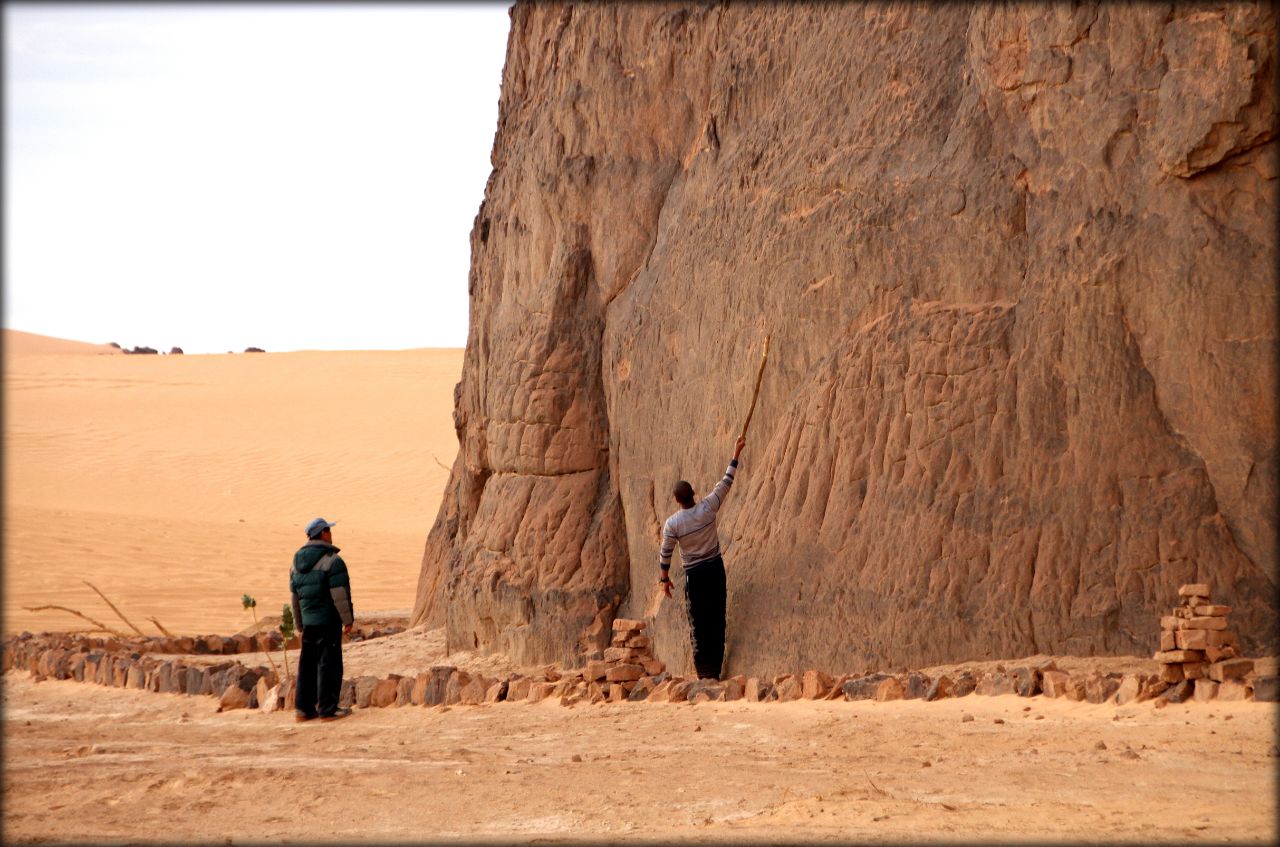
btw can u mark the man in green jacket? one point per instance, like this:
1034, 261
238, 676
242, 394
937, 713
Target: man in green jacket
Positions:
320, 591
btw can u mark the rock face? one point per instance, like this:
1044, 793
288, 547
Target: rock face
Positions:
1017, 264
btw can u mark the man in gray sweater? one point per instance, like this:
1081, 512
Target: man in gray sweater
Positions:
694, 529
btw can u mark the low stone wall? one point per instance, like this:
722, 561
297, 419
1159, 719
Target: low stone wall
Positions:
66, 657
618, 678
193, 645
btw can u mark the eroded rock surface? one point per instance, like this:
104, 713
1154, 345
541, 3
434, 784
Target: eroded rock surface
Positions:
1017, 263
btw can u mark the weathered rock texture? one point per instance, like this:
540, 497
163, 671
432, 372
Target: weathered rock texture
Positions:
1017, 263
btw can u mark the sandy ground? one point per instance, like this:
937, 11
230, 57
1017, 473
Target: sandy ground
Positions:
86, 763
177, 483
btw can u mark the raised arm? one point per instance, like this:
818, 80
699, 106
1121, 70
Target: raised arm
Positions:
716, 498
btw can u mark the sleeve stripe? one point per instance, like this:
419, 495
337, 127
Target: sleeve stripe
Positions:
696, 529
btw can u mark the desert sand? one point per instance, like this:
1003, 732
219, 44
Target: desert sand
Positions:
177, 483
90, 763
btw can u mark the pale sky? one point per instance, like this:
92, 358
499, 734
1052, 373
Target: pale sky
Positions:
219, 176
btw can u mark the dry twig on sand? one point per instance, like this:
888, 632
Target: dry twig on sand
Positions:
873, 785
113, 607
166, 633
440, 463
98, 625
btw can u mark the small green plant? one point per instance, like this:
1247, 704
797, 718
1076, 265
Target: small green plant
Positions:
251, 605
287, 630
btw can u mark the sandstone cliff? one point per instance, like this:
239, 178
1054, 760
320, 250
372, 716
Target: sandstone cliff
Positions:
1018, 268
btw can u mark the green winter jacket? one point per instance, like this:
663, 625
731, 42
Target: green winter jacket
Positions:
320, 596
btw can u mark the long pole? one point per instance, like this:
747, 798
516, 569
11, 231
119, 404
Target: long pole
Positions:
756, 394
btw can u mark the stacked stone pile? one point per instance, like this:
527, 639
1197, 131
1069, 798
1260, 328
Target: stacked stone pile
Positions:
628, 660
1198, 652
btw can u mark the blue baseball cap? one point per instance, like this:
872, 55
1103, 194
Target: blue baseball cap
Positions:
314, 528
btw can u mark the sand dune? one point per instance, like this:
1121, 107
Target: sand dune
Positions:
17, 343
176, 483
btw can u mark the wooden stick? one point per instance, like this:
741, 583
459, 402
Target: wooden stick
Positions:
100, 627
755, 394
113, 607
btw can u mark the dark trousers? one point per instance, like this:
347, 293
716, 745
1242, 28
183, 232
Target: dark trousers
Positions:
320, 669
704, 600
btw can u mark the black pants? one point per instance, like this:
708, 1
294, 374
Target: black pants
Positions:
704, 600
320, 669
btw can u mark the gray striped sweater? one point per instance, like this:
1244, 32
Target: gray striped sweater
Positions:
694, 529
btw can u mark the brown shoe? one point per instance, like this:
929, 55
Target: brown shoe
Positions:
337, 713
302, 717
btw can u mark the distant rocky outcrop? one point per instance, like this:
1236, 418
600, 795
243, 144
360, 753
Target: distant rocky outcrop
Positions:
175, 351
1018, 266
141, 351
254, 350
